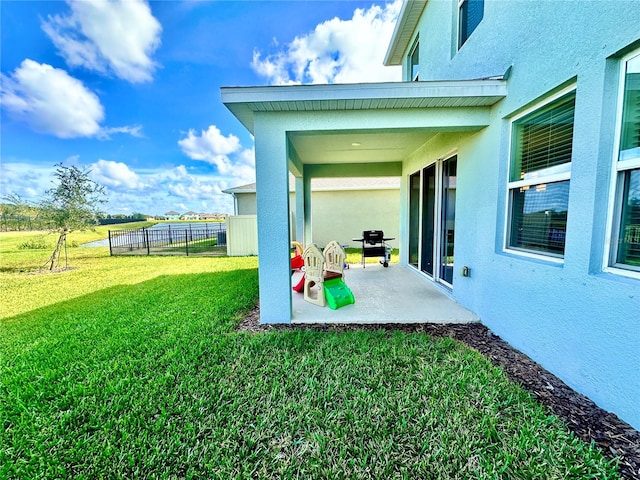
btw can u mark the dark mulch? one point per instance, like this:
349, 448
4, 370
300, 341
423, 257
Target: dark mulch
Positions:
583, 417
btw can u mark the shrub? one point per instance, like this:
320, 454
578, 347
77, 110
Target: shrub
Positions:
34, 243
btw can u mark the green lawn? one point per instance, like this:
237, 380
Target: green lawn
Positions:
131, 367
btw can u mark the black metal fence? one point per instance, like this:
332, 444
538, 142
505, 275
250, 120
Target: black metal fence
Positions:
210, 239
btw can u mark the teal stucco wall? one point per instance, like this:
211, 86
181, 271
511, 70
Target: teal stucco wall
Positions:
575, 320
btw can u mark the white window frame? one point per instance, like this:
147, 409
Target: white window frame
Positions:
554, 174
619, 168
410, 75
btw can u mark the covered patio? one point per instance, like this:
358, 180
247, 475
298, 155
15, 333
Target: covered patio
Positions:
363, 130
386, 295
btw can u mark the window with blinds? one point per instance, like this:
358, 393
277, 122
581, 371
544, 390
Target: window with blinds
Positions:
539, 177
539, 221
470, 14
627, 217
543, 140
629, 235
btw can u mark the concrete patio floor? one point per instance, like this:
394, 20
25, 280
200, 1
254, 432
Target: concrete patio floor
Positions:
385, 295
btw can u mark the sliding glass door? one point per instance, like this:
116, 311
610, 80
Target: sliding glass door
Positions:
432, 213
414, 219
428, 218
447, 226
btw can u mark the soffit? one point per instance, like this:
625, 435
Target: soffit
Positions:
358, 146
403, 33
243, 102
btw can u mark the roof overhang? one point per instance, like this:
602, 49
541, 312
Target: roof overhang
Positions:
250, 188
403, 33
332, 185
244, 102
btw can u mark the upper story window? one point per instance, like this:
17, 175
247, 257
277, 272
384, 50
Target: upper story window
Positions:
626, 222
470, 13
542, 145
414, 62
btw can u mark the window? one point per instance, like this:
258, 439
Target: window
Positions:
414, 62
542, 144
470, 13
626, 231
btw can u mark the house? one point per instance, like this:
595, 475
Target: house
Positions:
172, 215
213, 216
516, 135
190, 215
363, 203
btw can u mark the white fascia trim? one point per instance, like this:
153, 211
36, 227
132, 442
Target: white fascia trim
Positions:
403, 33
233, 191
365, 91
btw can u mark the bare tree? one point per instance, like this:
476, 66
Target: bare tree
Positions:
72, 204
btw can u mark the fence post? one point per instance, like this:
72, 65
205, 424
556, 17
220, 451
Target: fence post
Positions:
110, 249
190, 233
170, 240
186, 241
146, 236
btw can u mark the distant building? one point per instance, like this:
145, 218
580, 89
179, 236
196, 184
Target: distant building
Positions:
213, 216
190, 215
172, 215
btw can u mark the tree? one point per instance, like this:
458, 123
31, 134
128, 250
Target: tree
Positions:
72, 204
12, 211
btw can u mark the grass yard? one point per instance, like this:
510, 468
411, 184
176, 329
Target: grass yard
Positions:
131, 367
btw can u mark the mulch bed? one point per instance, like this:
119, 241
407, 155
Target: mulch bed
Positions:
583, 417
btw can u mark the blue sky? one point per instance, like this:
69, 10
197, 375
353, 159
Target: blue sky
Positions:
131, 89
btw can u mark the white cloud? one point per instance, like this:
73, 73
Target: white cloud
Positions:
25, 179
108, 36
162, 189
194, 188
177, 173
210, 144
133, 130
337, 51
214, 148
115, 175
150, 191
51, 101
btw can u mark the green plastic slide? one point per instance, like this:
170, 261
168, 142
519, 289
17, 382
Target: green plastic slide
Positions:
337, 293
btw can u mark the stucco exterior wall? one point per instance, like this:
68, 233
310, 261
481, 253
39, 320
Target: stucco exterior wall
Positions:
343, 214
246, 203
578, 322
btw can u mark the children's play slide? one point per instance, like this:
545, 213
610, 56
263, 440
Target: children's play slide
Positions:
337, 293
299, 286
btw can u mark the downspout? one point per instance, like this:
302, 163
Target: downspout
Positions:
235, 204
